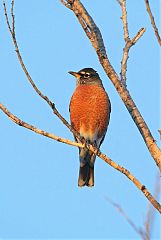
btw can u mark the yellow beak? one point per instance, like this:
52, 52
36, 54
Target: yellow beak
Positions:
75, 74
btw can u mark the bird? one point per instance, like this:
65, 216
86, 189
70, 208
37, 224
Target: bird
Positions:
89, 109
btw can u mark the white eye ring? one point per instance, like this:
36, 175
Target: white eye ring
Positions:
86, 75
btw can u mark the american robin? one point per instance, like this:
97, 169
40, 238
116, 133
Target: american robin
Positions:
89, 113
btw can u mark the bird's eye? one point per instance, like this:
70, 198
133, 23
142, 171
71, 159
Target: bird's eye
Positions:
86, 75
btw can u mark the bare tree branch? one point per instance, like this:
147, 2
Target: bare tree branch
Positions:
36, 130
149, 220
100, 47
98, 44
144, 233
91, 148
159, 133
66, 4
124, 20
125, 57
127, 218
119, 2
13, 17
152, 21
50, 103
129, 43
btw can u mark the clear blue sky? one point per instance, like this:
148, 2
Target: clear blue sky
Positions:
39, 197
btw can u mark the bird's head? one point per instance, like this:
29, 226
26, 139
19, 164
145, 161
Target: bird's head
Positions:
87, 76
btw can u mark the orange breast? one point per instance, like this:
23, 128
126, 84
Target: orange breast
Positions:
90, 110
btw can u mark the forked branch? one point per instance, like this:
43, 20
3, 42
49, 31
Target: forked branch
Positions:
91, 148
96, 39
128, 42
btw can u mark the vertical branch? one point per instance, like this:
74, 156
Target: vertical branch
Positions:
124, 19
96, 39
125, 56
149, 220
159, 133
128, 42
13, 17
97, 42
152, 21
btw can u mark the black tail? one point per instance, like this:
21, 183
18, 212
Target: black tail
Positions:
86, 176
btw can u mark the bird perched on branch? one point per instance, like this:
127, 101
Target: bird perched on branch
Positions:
89, 113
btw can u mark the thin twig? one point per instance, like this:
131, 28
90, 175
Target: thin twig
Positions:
144, 233
85, 27
13, 17
125, 56
91, 148
149, 220
7, 20
128, 42
159, 133
152, 21
21, 123
98, 44
100, 50
119, 2
124, 20
138, 35
127, 218
50, 103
